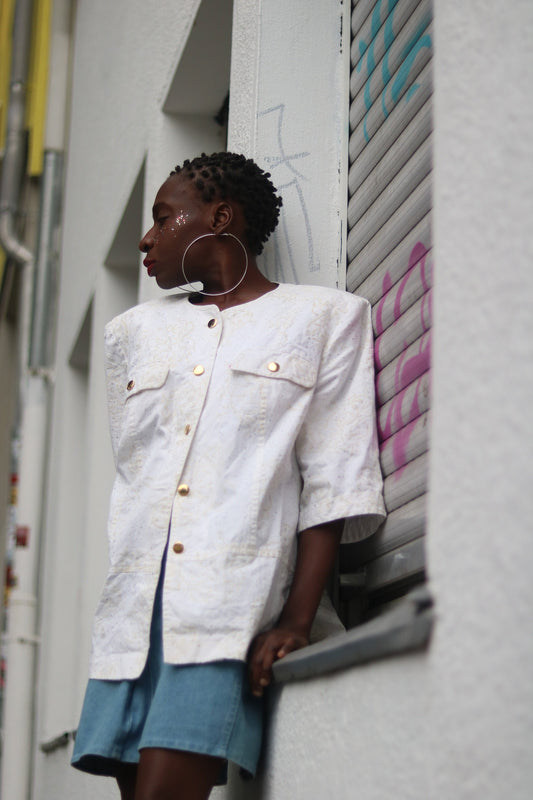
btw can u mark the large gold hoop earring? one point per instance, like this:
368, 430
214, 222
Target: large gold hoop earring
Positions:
203, 236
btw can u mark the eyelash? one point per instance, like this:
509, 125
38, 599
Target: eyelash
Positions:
161, 221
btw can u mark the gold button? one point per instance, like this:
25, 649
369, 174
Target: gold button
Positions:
187, 430
178, 547
199, 370
130, 385
183, 490
273, 366
211, 323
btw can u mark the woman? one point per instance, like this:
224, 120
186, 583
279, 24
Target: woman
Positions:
242, 424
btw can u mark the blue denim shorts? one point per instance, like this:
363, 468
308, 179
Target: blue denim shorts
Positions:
201, 708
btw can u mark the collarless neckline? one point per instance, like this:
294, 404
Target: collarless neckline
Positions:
237, 305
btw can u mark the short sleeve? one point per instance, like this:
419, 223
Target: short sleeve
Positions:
337, 447
116, 380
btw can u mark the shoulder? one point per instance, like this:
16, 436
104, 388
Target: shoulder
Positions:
324, 301
323, 295
153, 311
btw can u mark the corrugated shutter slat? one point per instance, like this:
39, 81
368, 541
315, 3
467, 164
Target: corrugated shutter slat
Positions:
406, 483
411, 363
408, 43
405, 406
380, 173
414, 12
405, 445
392, 92
390, 262
394, 266
395, 300
407, 329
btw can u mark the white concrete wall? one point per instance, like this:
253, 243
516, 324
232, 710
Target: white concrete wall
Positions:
289, 111
125, 57
455, 721
480, 547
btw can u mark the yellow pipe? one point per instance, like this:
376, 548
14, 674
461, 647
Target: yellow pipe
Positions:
38, 84
7, 10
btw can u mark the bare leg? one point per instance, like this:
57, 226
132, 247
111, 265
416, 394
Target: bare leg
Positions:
126, 779
175, 775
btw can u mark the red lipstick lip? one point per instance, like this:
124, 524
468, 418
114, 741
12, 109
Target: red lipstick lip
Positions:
148, 263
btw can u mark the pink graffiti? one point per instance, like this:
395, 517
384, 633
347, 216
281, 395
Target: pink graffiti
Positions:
387, 284
394, 420
408, 369
416, 264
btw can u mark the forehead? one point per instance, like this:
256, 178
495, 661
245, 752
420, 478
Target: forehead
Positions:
177, 191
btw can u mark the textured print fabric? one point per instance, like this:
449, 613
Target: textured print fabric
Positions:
242, 427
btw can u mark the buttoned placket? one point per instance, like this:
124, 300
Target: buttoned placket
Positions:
202, 364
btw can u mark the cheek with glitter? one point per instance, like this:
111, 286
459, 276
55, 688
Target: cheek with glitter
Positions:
178, 222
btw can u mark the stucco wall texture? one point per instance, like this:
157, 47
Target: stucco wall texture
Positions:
455, 721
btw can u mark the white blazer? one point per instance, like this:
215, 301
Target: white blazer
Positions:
239, 428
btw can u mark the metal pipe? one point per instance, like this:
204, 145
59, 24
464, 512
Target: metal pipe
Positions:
23, 638
15, 150
46, 263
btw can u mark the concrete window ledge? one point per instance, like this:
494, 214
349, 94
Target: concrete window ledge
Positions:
63, 740
404, 628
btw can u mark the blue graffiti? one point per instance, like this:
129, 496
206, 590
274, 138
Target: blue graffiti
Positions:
418, 41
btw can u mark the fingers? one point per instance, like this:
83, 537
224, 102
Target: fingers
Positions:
266, 649
262, 657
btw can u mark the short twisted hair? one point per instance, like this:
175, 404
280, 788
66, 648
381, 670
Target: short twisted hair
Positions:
229, 176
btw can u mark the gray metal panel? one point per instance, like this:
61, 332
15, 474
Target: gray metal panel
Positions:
364, 155
366, 190
405, 445
399, 189
394, 266
362, 262
406, 562
362, 13
403, 370
404, 406
406, 483
403, 525
393, 91
407, 329
366, 92
390, 260
370, 42
402, 295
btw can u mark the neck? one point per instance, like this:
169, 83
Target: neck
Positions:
253, 286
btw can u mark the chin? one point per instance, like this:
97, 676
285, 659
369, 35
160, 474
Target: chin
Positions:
164, 284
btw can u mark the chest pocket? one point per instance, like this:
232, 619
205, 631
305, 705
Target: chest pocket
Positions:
280, 367
145, 412
268, 389
146, 376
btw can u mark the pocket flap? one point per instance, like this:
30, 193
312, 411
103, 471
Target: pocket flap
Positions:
282, 366
146, 376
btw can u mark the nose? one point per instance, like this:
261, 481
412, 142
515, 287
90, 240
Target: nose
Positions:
147, 241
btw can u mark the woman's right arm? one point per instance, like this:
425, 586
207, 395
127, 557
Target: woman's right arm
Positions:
116, 379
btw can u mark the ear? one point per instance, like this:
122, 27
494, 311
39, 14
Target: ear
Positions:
221, 217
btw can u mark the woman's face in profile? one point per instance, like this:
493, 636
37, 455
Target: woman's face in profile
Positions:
179, 217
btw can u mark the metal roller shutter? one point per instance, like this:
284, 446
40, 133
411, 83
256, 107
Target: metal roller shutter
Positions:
390, 263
